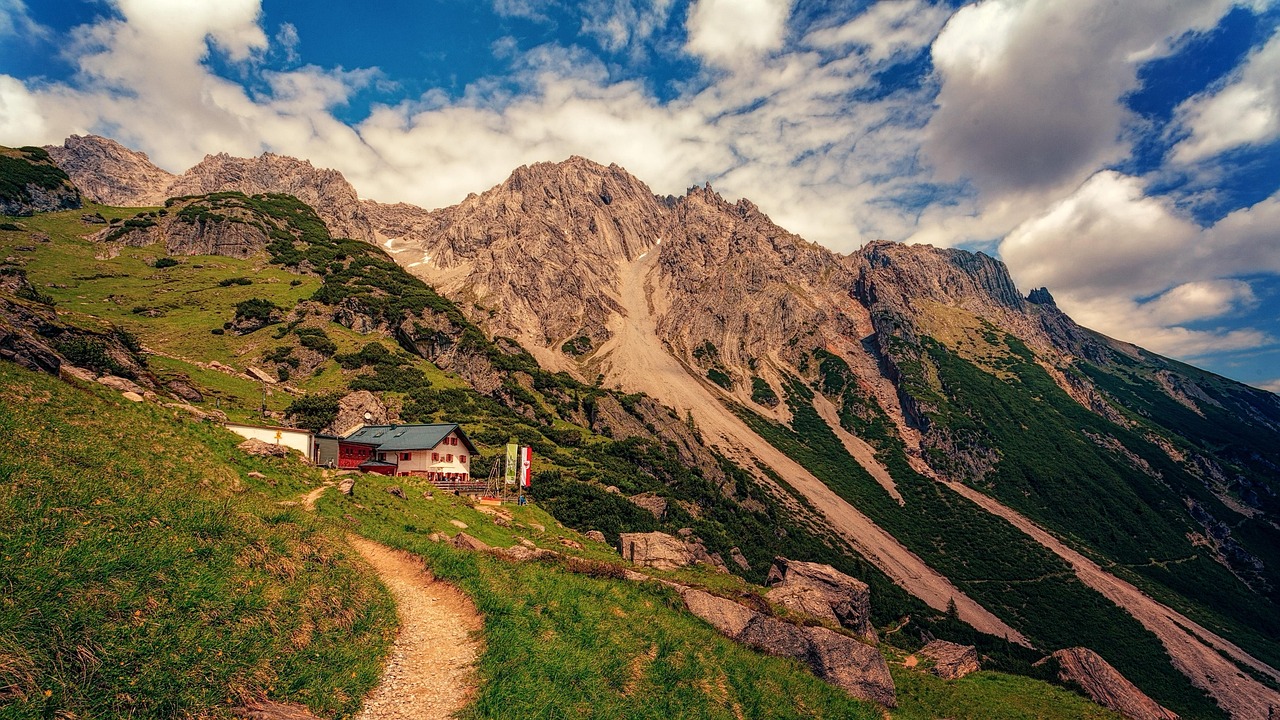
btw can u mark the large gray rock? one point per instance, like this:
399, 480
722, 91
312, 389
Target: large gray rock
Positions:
845, 662
656, 550
854, 666
951, 661
351, 413
1106, 686
803, 600
655, 504
727, 616
848, 598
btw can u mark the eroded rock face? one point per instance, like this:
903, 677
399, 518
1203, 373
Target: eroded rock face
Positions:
848, 598
35, 184
854, 666
352, 408
110, 173
656, 550
326, 191
1106, 686
651, 502
951, 661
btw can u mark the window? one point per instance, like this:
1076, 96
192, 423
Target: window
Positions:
462, 458
382, 457
406, 456
435, 457
448, 458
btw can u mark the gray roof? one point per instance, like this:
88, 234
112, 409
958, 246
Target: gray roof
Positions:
408, 437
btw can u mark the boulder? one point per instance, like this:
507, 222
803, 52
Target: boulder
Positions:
1106, 686
854, 666
951, 661
655, 504
184, 390
254, 446
803, 600
845, 662
848, 597
739, 559
352, 408
463, 541
261, 375
131, 396
458, 524
120, 384
571, 543
396, 490
596, 535
727, 616
656, 550
256, 475
347, 486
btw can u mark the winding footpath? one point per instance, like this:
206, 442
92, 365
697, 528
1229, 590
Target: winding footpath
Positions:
431, 671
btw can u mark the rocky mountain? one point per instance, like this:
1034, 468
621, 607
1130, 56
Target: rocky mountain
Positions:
1038, 481
111, 174
30, 183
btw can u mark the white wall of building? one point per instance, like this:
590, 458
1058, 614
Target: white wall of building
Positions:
300, 440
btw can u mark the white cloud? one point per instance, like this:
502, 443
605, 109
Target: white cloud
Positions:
1031, 90
727, 32
1132, 267
16, 22
1107, 237
886, 29
1270, 386
287, 40
617, 24
1246, 110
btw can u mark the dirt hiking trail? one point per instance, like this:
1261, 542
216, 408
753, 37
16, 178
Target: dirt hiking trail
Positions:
431, 671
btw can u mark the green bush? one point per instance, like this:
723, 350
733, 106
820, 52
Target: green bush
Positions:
164, 262
720, 377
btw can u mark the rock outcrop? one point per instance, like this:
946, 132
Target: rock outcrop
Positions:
326, 191
355, 409
661, 551
110, 173
950, 660
656, 550
854, 666
254, 446
807, 585
31, 183
1106, 686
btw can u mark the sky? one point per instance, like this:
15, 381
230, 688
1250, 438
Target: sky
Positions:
1123, 153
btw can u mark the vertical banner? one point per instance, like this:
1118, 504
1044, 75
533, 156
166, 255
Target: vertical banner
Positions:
513, 462
526, 466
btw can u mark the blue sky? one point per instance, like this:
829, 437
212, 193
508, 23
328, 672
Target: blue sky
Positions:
1126, 155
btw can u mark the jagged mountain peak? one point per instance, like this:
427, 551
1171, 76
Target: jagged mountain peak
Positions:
110, 173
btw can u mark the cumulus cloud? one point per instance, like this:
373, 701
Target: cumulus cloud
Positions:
1132, 267
1031, 90
1245, 110
886, 29
725, 32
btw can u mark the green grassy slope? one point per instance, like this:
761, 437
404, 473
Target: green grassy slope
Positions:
143, 578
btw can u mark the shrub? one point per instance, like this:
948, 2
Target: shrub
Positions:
228, 282
720, 377
164, 262
258, 310
314, 412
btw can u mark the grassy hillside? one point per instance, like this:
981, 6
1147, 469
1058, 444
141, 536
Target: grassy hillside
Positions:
144, 578
189, 311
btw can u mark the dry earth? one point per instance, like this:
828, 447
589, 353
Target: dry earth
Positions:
635, 359
430, 673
